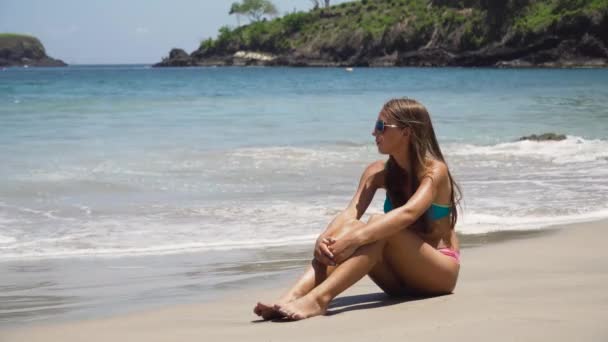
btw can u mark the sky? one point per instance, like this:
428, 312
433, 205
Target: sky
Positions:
122, 31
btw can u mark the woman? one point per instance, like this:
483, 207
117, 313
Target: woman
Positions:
410, 250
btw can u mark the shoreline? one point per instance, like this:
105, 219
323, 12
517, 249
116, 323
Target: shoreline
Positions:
556, 66
253, 268
364, 67
518, 287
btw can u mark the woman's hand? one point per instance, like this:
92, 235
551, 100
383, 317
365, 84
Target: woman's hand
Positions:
342, 247
322, 252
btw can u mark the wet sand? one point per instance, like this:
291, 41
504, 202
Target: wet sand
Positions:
546, 286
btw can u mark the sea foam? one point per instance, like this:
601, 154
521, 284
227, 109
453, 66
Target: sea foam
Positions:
570, 150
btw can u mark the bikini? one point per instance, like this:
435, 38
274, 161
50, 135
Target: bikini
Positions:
435, 212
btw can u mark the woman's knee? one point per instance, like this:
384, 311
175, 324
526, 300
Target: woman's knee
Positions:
374, 217
403, 233
347, 227
374, 250
352, 224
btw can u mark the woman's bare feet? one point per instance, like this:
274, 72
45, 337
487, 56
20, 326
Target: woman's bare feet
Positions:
313, 276
301, 308
268, 311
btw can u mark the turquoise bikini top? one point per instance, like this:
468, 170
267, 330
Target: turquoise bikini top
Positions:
435, 212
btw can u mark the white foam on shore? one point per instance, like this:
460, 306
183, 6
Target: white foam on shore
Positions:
7, 239
5, 224
571, 150
167, 230
281, 196
166, 249
477, 223
299, 157
159, 235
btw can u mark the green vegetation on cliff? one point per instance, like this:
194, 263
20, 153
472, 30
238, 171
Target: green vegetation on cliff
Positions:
13, 40
501, 33
541, 14
479, 22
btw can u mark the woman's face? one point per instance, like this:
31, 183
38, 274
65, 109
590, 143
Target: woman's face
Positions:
392, 138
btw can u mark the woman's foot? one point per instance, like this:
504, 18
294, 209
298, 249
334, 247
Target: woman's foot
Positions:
268, 311
301, 308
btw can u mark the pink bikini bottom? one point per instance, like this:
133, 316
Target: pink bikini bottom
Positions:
451, 253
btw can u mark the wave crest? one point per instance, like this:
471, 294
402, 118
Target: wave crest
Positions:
571, 150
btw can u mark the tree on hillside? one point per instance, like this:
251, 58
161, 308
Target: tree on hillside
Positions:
254, 9
236, 10
499, 13
317, 3
495, 15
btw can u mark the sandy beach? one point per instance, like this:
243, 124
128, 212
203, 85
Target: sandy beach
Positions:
549, 287
163, 183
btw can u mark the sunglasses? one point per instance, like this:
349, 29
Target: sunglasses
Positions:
381, 126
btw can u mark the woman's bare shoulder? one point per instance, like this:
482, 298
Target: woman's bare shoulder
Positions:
376, 166
374, 173
435, 169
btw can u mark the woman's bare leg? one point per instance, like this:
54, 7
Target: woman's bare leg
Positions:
346, 274
409, 258
314, 275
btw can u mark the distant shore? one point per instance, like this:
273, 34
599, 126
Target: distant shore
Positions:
551, 286
433, 33
23, 50
422, 58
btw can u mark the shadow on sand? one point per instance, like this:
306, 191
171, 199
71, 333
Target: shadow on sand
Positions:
361, 302
368, 301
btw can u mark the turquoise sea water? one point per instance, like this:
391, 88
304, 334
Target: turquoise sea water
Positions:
130, 162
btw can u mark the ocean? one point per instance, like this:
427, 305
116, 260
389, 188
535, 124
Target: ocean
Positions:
127, 186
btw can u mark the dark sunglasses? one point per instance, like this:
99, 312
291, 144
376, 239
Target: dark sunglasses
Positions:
381, 126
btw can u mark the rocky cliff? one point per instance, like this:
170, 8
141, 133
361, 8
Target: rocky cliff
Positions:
21, 50
499, 33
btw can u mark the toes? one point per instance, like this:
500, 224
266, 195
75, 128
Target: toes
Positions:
278, 308
263, 306
283, 312
259, 309
271, 315
289, 314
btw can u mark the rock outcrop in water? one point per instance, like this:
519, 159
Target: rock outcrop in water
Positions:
544, 137
510, 33
21, 50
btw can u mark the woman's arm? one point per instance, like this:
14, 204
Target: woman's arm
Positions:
394, 221
355, 209
368, 184
407, 214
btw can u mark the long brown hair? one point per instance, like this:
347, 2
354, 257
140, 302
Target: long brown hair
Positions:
400, 186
